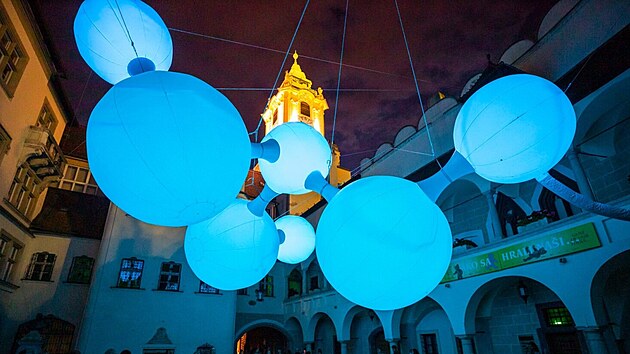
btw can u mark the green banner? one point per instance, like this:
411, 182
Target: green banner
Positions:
534, 249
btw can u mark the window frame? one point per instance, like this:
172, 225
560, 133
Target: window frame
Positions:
216, 291
131, 283
266, 286
25, 184
74, 185
73, 270
38, 275
8, 53
8, 259
304, 106
5, 143
169, 273
46, 119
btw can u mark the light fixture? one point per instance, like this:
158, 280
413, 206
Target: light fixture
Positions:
259, 295
523, 291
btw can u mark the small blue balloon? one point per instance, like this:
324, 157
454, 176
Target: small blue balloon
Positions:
303, 150
168, 148
299, 241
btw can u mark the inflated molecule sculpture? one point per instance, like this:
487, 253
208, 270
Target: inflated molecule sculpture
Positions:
171, 150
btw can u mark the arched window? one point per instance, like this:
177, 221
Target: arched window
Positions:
295, 283
305, 109
314, 276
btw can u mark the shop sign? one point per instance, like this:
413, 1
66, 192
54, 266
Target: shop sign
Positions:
576, 239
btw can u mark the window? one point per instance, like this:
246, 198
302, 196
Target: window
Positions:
9, 253
5, 142
130, 273
77, 179
241, 291
266, 286
81, 270
13, 57
295, 283
207, 289
41, 267
314, 283
46, 119
24, 190
305, 109
429, 343
558, 316
170, 273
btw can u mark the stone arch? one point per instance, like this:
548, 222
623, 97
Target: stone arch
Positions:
347, 321
296, 330
610, 102
610, 297
262, 323
326, 341
424, 317
500, 297
309, 335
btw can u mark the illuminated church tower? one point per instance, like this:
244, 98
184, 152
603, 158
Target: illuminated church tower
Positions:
297, 101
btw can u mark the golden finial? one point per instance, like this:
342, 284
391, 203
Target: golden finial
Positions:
295, 56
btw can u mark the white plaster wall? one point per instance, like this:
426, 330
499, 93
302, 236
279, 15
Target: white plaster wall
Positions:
127, 318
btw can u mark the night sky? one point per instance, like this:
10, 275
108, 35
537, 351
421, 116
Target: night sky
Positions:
448, 40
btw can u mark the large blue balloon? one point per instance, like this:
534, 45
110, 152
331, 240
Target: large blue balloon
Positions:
105, 29
303, 150
168, 148
515, 128
233, 250
382, 243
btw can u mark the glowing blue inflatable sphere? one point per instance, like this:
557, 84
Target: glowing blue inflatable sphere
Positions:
104, 30
515, 128
233, 250
168, 148
382, 243
299, 240
303, 150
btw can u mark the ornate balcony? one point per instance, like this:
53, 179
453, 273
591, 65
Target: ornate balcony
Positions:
43, 154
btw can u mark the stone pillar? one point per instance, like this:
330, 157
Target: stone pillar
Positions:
494, 216
344, 346
580, 176
304, 282
594, 340
467, 344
